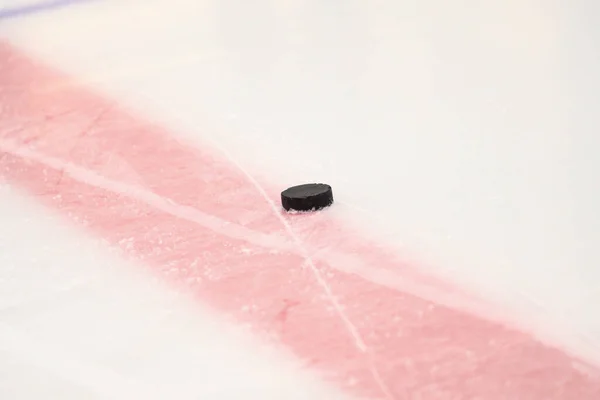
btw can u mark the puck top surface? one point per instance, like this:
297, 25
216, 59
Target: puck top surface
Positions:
307, 197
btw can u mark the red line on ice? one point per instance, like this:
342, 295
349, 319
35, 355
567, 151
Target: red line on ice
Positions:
81, 155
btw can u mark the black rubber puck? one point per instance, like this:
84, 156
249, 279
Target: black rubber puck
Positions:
308, 197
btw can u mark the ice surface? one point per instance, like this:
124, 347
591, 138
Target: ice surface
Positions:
462, 136
77, 323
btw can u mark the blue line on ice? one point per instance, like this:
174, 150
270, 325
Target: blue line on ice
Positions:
37, 8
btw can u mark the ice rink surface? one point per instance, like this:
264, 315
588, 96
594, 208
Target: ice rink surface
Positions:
143, 253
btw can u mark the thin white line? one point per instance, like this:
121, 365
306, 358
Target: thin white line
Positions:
352, 330
209, 221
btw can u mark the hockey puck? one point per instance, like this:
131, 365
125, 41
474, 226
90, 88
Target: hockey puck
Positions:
308, 197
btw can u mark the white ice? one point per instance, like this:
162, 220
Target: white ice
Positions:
464, 133
77, 323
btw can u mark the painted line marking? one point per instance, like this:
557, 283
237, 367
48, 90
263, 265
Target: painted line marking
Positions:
53, 144
229, 229
38, 8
